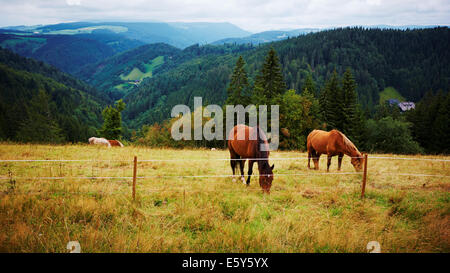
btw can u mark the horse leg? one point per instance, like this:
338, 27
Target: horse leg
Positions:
241, 165
316, 157
250, 170
309, 159
233, 163
329, 162
340, 156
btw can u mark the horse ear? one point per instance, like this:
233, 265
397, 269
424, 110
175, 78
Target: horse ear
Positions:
273, 166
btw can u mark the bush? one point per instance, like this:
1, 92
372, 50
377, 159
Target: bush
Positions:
388, 135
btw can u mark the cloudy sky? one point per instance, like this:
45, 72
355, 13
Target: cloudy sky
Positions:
251, 15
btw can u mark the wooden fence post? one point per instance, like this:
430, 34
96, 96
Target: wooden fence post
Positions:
364, 177
134, 178
184, 197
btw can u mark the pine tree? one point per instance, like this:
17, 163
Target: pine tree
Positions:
440, 141
352, 121
269, 82
112, 125
40, 126
309, 85
331, 103
239, 86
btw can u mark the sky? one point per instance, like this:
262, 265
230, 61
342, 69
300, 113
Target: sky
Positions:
250, 15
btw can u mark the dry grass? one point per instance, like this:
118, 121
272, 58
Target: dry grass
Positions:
313, 213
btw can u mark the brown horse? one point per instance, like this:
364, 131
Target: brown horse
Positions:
243, 145
332, 143
115, 143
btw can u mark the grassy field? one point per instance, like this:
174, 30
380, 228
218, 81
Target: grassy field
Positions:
136, 74
306, 212
390, 93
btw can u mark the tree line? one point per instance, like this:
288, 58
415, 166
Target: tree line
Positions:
411, 61
335, 105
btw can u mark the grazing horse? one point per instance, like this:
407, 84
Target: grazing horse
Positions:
245, 143
332, 143
115, 143
99, 141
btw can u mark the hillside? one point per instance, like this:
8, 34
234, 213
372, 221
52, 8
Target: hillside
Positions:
411, 61
68, 52
390, 93
35, 107
17, 62
118, 74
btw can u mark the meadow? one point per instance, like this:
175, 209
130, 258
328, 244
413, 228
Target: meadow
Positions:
307, 211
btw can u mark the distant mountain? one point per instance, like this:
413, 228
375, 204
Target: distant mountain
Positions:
71, 46
203, 33
67, 52
404, 27
176, 34
266, 36
38, 103
278, 35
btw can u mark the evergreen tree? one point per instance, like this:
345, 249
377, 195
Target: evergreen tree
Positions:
349, 102
331, 103
112, 125
430, 122
310, 85
40, 126
441, 126
269, 82
353, 123
239, 86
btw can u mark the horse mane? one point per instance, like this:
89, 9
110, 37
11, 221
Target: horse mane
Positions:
259, 142
348, 143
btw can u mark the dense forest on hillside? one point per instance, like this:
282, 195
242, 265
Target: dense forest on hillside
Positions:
412, 61
35, 107
388, 130
107, 75
18, 62
69, 53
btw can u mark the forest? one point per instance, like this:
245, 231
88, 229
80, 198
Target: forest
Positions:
38, 103
323, 80
411, 61
336, 106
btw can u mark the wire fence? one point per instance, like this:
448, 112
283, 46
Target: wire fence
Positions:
209, 159
121, 179
211, 176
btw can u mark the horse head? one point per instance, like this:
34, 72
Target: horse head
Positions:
358, 162
266, 176
265, 170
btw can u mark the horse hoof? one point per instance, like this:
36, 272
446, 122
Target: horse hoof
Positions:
243, 180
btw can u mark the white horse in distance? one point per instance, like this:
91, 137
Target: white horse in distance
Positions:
99, 141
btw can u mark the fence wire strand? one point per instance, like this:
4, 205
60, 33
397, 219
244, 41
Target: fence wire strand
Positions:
209, 159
